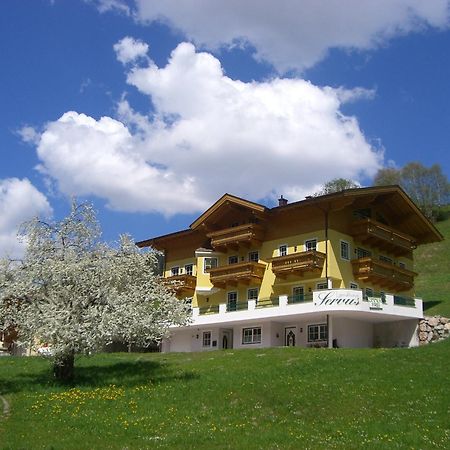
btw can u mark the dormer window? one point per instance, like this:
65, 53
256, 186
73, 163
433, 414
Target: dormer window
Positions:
233, 259
175, 271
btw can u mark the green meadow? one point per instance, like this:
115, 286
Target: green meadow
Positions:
255, 399
432, 262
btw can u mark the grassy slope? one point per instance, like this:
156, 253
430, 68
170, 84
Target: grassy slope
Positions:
433, 266
262, 398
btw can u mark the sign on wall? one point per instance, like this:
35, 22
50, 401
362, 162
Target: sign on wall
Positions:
337, 297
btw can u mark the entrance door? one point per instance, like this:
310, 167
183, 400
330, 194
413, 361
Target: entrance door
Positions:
289, 336
226, 340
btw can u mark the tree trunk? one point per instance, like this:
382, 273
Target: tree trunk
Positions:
63, 368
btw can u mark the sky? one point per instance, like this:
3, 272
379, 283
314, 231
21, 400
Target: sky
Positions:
152, 110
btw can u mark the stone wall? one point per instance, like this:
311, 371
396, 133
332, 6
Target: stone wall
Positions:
432, 329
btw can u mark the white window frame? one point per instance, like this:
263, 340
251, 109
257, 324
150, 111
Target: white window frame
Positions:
280, 247
322, 283
228, 299
210, 339
255, 338
368, 292
311, 240
210, 258
248, 293
345, 244
353, 285
175, 269
253, 253
186, 271
302, 287
320, 327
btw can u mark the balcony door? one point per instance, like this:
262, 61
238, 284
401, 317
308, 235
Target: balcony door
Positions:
232, 301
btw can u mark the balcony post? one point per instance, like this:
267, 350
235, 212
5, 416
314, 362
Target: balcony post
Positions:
195, 311
283, 301
222, 308
251, 305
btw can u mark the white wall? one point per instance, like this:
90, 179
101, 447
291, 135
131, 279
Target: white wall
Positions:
351, 333
402, 333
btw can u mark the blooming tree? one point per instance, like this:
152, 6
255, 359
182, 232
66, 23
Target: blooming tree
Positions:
77, 294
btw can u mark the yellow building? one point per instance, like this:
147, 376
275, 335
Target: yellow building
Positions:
333, 270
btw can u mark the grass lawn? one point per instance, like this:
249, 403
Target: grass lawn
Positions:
263, 398
432, 262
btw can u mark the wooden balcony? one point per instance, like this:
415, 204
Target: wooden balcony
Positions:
249, 235
231, 275
298, 263
383, 237
183, 285
383, 274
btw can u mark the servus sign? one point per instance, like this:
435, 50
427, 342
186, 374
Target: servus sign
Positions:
337, 297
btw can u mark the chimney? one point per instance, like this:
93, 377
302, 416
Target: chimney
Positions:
282, 201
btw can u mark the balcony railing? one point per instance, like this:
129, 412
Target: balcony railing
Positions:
384, 237
383, 274
300, 298
211, 309
267, 302
250, 234
182, 284
231, 275
298, 263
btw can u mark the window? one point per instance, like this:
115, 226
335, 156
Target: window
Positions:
353, 285
322, 286
210, 263
385, 259
317, 332
298, 293
206, 341
345, 250
252, 294
369, 292
232, 301
362, 253
189, 269
251, 335
233, 259
253, 256
310, 245
282, 250
402, 265
175, 271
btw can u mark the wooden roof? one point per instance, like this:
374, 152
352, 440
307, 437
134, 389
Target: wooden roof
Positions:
406, 216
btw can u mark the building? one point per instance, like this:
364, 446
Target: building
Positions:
334, 270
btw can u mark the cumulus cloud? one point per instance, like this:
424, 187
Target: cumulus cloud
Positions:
209, 134
29, 134
295, 34
129, 50
19, 201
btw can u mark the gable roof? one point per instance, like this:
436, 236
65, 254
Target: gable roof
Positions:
227, 199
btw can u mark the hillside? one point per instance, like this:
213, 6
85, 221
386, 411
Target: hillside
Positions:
432, 262
273, 398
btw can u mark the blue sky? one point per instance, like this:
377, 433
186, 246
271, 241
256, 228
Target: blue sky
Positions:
152, 110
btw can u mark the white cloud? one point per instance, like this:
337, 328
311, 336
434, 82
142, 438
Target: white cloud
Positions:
209, 135
129, 50
295, 34
19, 201
111, 5
29, 134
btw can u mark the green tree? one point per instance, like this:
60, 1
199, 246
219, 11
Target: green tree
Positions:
428, 187
77, 294
337, 185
